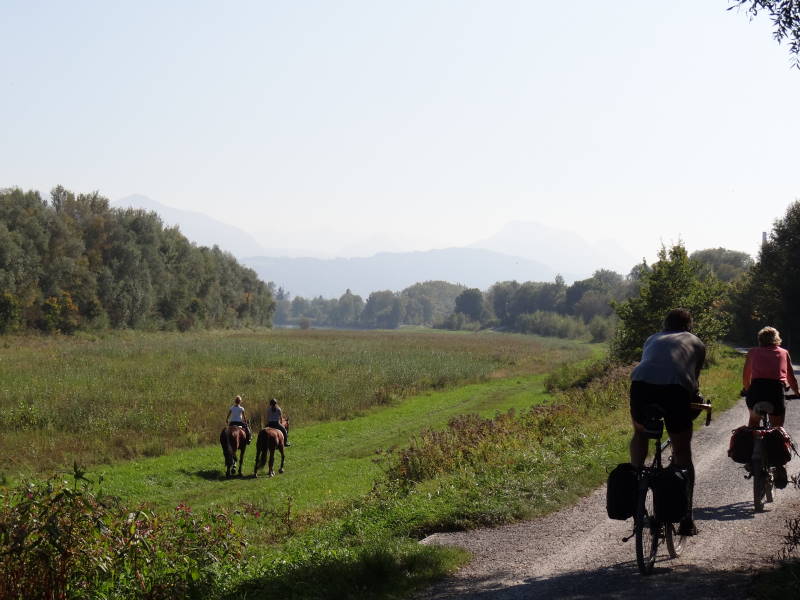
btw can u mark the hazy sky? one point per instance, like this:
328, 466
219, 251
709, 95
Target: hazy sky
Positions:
419, 123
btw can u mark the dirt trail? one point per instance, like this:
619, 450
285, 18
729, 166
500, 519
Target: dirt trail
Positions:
578, 553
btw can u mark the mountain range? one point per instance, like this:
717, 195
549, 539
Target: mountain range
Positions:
522, 251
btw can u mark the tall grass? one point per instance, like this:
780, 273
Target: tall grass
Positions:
477, 470
128, 394
62, 541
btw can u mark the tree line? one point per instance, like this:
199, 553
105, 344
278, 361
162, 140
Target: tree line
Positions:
731, 308
425, 304
72, 262
589, 308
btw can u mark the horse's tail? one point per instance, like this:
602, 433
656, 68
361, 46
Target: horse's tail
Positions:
262, 444
227, 448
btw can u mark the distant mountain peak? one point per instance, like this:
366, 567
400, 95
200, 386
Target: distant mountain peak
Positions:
198, 227
565, 251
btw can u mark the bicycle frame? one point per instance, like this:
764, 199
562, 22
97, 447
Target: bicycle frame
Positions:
646, 529
760, 469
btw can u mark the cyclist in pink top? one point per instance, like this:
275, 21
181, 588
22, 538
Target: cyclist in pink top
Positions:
767, 371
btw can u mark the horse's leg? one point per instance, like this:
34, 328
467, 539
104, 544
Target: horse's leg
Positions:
282, 457
271, 462
241, 456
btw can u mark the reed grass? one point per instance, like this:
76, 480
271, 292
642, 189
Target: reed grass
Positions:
101, 398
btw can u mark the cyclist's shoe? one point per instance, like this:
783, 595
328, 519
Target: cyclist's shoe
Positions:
687, 527
780, 478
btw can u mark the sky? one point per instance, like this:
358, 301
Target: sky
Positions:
410, 125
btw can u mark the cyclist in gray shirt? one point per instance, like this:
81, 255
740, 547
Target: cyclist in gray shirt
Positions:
667, 377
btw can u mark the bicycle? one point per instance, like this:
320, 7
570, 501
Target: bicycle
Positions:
647, 529
759, 467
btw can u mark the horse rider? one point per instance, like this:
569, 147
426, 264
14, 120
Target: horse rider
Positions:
236, 416
274, 415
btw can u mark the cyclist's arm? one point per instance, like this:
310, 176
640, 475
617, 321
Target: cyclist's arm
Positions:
701, 360
748, 372
790, 378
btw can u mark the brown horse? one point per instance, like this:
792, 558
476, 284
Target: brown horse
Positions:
232, 439
268, 440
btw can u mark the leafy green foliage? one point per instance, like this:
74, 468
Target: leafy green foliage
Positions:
551, 324
383, 310
770, 293
75, 263
470, 304
429, 302
9, 312
725, 265
420, 304
58, 541
674, 281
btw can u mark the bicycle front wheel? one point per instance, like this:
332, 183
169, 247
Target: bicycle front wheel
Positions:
675, 541
647, 530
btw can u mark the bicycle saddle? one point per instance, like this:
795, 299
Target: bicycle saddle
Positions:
763, 408
654, 423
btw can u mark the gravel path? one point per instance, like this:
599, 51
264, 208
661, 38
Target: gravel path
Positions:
578, 553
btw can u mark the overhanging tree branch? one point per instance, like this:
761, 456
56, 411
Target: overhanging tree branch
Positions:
785, 15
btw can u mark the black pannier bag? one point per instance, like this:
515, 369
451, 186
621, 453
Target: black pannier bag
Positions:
670, 494
741, 446
621, 492
778, 445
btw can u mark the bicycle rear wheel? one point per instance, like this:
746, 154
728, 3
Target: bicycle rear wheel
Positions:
675, 541
768, 485
647, 531
759, 483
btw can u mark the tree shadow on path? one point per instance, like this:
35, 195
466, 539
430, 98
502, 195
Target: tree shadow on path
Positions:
730, 512
617, 581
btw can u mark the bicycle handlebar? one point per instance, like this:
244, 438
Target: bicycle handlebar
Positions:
705, 407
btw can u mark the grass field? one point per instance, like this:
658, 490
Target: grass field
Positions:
125, 395
328, 462
343, 521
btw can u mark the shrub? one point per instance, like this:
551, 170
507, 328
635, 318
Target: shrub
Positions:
551, 324
577, 375
58, 541
9, 312
674, 281
470, 441
602, 328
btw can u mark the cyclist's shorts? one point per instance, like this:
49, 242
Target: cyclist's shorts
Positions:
674, 400
769, 390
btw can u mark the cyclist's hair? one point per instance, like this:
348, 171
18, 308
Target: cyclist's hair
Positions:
678, 319
769, 336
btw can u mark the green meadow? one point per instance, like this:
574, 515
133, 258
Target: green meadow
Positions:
328, 462
439, 431
99, 399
